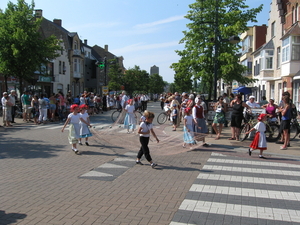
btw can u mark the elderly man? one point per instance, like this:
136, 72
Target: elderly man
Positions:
251, 103
26, 103
124, 99
13, 99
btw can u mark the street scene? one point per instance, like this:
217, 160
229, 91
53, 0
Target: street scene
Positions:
44, 182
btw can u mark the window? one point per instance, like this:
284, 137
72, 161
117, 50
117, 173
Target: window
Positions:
59, 67
296, 13
64, 68
272, 91
273, 29
278, 57
286, 50
293, 14
296, 48
269, 59
75, 65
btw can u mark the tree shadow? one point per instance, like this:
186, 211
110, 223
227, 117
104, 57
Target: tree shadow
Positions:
10, 218
27, 149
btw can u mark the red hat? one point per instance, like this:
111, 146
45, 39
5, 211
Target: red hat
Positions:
261, 116
187, 110
73, 107
83, 106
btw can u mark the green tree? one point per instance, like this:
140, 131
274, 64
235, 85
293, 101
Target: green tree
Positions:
156, 84
23, 49
136, 80
211, 22
115, 75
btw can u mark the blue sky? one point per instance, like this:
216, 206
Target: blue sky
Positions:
145, 33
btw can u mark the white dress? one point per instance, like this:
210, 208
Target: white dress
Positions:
74, 128
84, 129
130, 120
259, 141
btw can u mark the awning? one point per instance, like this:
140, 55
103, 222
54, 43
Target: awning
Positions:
245, 90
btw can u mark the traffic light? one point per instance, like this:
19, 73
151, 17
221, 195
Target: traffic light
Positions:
101, 65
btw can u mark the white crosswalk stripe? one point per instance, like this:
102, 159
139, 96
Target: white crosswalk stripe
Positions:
237, 189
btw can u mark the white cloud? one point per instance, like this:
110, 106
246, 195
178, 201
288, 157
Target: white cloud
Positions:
143, 47
159, 22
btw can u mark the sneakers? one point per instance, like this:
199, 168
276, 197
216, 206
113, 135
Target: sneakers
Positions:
80, 143
87, 143
262, 157
153, 165
139, 163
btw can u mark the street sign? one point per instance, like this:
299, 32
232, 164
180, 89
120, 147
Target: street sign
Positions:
105, 90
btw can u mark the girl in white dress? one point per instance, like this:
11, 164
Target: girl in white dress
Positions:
130, 118
74, 127
84, 127
259, 141
188, 134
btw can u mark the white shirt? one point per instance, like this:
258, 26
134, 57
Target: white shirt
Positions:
194, 110
12, 99
145, 128
124, 101
74, 118
83, 116
130, 108
252, 104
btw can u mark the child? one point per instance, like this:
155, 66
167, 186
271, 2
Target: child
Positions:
259, 141
84, 128
144, 131
188, 135
74, 128
130, 118
174, 116
143, 117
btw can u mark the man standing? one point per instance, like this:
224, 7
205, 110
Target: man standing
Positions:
226, 100
124, 99
25, 98
13, 99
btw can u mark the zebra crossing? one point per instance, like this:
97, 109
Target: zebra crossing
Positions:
234, 190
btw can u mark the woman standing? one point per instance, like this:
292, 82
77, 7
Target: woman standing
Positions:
220, 109
237, 116
285, 122
42, 109
52, 107
271, 110
35, 108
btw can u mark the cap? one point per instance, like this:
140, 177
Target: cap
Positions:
252, 96
261, 116
5, 93
174, 105
272, 99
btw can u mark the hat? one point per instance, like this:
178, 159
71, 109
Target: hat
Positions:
174, 105
5, 93
261, 116
252, 96
272, 99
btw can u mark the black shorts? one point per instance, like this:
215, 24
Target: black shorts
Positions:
285, 125
236, 121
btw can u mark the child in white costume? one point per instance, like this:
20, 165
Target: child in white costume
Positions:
84, 128
130, 118
259, 141
74, 127
188, 134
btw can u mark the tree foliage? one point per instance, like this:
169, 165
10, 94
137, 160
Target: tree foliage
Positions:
156, 84
136, 80
115, 75
211, 22
23, 49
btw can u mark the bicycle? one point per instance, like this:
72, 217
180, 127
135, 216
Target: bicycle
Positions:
272, 128
163, 117
115, 115
294, 129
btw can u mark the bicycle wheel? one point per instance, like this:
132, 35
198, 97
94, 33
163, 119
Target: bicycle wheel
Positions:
294, 131
115, 115
245, 128
272, 132
162, 118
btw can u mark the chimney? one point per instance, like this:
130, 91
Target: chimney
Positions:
57, 22
106, 48
38, 13
85, 41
